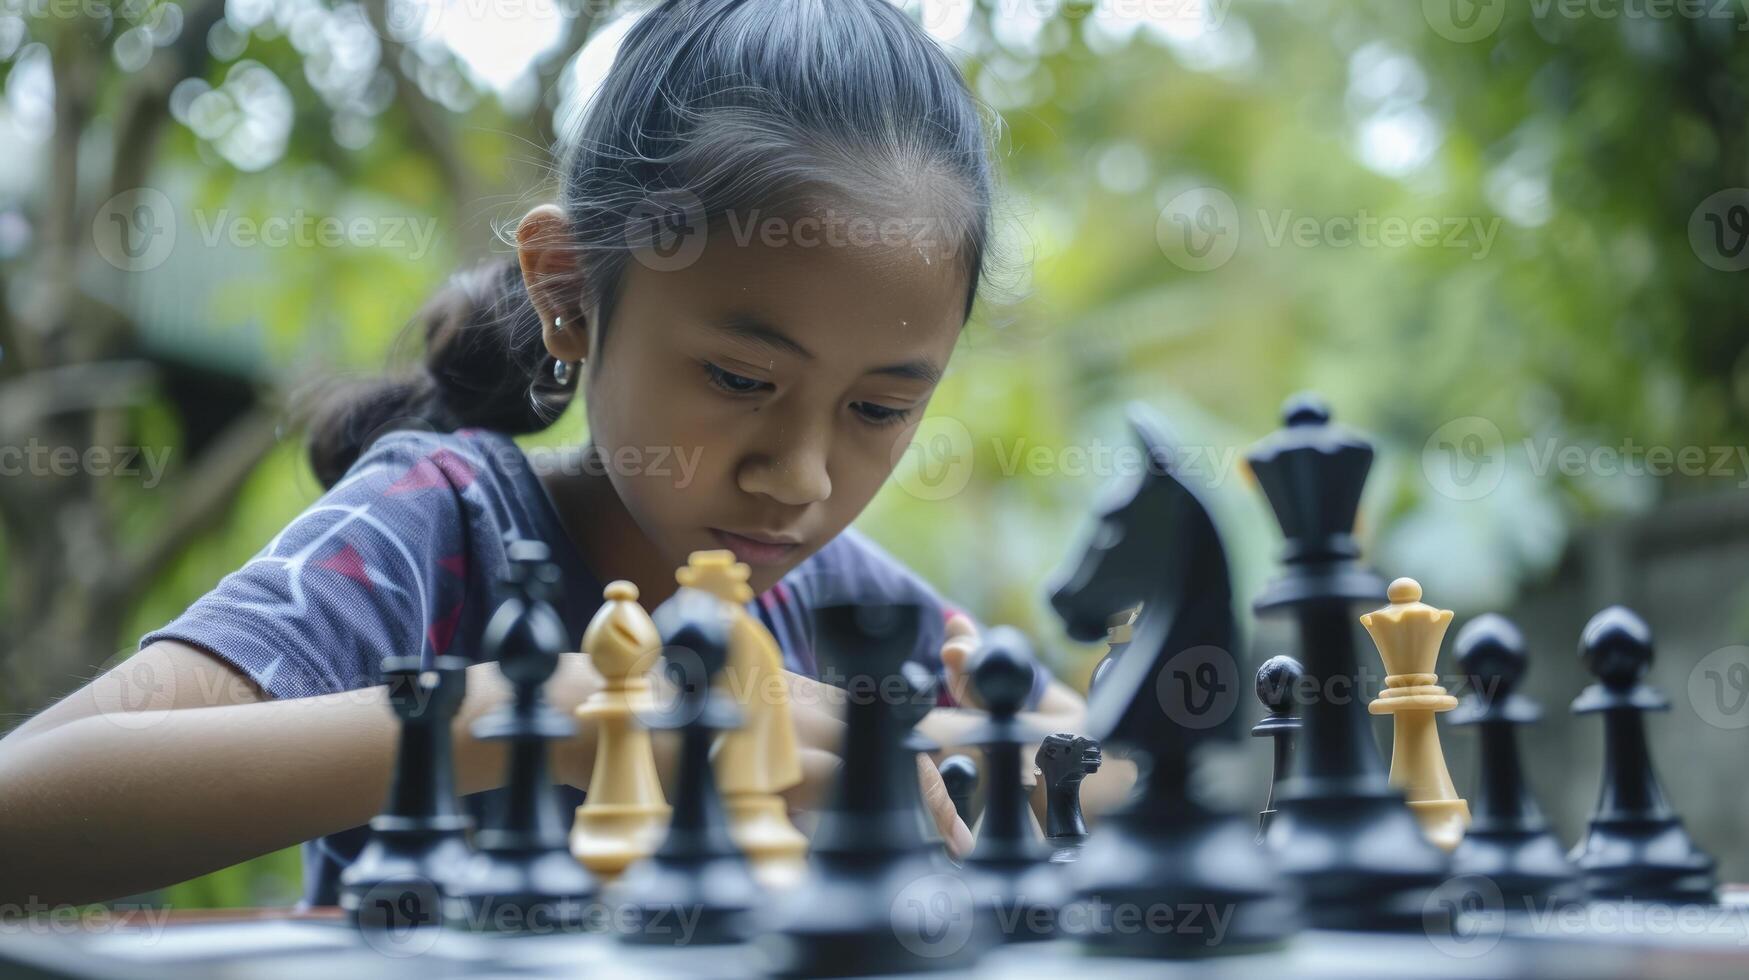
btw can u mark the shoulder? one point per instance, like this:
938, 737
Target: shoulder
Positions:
496, 495
407, 462
853, 568
473, 488
477, 481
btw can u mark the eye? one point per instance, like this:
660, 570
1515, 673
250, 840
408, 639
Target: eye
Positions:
881, 415
729, 381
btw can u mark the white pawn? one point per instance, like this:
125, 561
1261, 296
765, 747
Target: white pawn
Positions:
624, 816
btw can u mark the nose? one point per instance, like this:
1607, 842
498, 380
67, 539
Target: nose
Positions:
791, 467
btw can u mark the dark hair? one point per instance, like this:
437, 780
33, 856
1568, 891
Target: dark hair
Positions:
712, 107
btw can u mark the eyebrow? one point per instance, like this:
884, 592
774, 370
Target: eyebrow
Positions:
758, 330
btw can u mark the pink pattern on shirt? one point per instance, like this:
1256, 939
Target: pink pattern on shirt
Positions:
441, 468
348, 562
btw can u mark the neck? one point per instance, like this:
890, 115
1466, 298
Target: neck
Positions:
607, 538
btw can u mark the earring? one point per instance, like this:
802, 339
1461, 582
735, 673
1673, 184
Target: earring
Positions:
558, 324
562, 372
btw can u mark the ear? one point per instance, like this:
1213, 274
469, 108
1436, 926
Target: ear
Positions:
548, 257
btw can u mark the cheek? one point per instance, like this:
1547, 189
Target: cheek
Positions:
663, 445
868, 459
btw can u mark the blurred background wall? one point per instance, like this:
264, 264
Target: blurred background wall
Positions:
1505, 239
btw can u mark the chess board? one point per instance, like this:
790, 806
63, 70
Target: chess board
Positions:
1709, 942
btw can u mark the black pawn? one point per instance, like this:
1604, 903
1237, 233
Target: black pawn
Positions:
920, 689
1277, 681
873, 902
1099, 671
1015, 890
418, 847
1341, 832
696, 888
1063, 761
960, 775
523, 877
1635, 847
1508, 841
1119, 633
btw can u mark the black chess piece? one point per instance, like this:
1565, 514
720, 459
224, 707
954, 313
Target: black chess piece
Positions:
522, 877
872, 903
1016, 891
1341, 832
1173, 691
1277, 681
1064, 760
418, 844
1635, 847
921, 688
960, 775
696, 889
1099, 671
1119, 632
1509, 842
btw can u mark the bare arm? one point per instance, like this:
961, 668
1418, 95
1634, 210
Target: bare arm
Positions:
174, 764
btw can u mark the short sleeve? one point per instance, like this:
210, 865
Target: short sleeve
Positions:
854, 569
376, 567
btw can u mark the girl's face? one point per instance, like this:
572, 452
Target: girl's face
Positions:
756, 399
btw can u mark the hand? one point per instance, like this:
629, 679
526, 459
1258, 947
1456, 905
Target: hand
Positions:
956, 651
572, 683
940, 806
820, 772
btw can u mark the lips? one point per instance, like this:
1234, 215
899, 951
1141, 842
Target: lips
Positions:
756, 548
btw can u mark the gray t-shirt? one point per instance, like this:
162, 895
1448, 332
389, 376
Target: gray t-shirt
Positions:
407, 554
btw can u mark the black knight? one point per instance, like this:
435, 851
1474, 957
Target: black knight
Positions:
1174, 689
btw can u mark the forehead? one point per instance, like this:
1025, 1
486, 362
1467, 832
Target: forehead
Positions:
874, 299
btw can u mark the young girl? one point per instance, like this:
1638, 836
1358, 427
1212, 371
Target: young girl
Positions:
819, 186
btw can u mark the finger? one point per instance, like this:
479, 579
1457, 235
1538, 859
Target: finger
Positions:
959, 624
947, 820
817, 728
819, 772
816, 710
956, 652
807, 690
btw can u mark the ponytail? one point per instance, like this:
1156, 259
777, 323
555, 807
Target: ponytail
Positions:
483, 366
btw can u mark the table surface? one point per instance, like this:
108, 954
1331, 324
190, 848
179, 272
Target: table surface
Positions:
1594, 942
